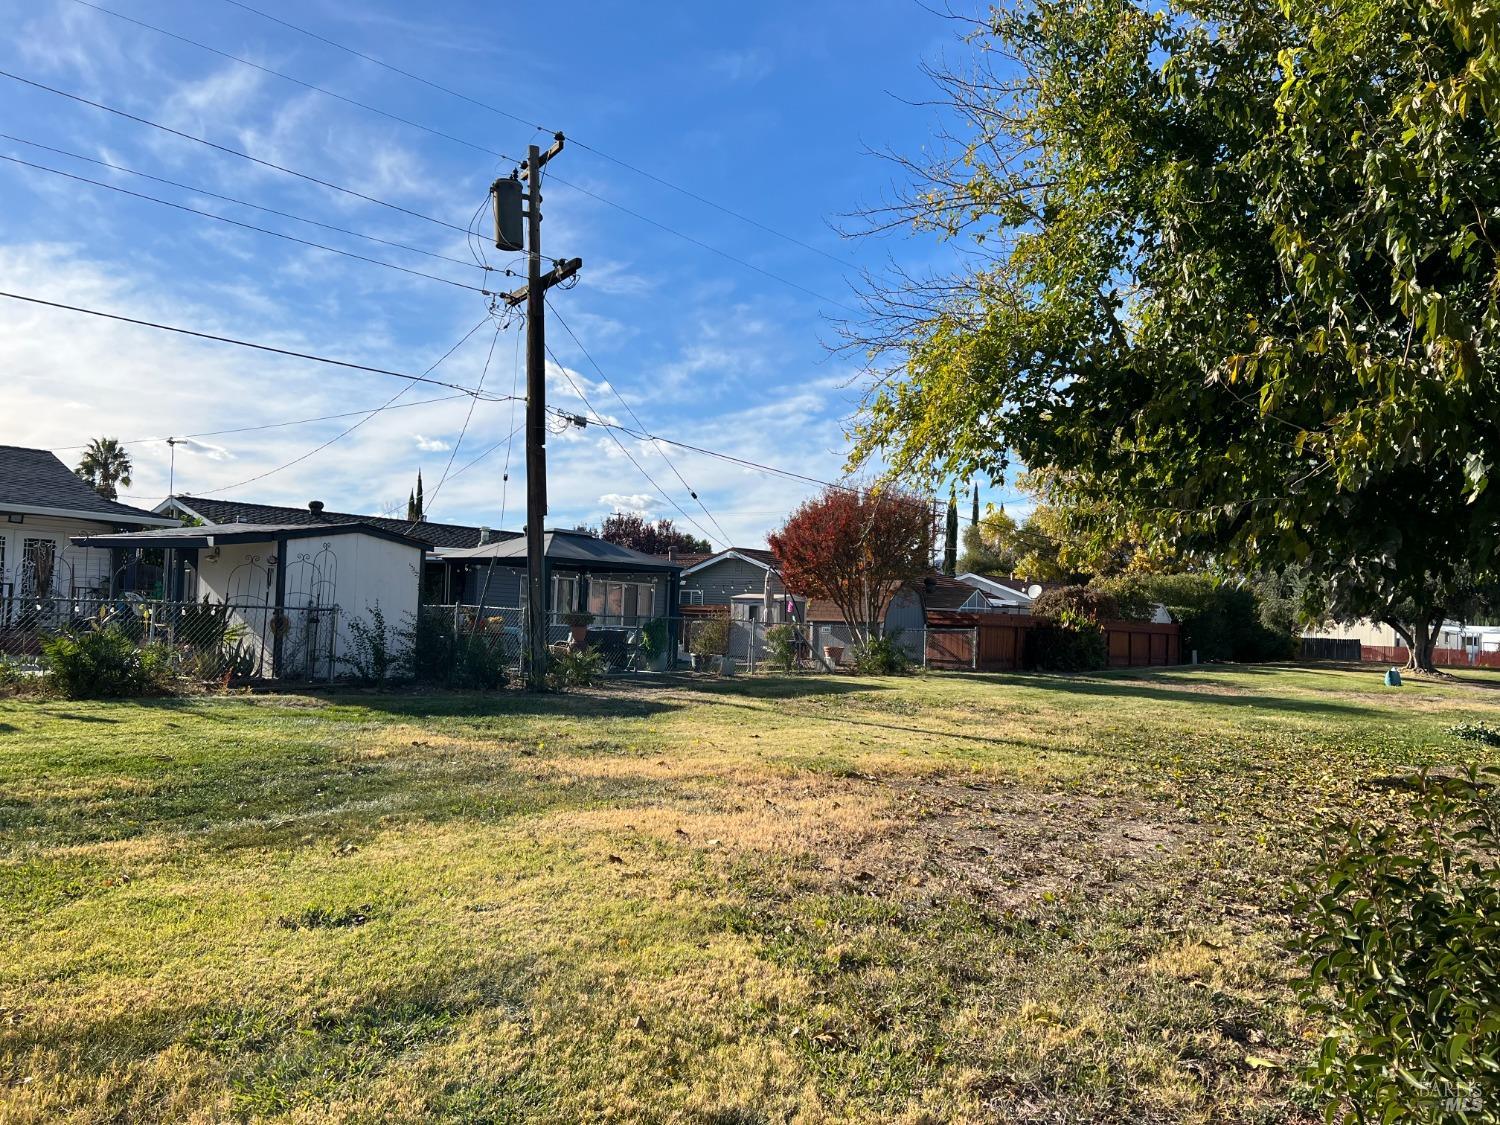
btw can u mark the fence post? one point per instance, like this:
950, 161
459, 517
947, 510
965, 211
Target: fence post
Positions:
974, 650
926, 641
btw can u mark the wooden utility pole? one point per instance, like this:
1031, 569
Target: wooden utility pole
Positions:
533, 293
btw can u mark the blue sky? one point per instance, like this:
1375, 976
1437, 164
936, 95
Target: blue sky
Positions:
767, 109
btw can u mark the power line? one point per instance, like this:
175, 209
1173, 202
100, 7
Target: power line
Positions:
242, 202
297, 81
453, 453
250, 344
247, 226
345, 433
231, 151
610, 383
522, 121
568, 375
267, 425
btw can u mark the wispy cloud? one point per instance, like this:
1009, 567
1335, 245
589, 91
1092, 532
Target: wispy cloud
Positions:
431, 445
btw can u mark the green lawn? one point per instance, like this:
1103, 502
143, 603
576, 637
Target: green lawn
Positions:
937, 898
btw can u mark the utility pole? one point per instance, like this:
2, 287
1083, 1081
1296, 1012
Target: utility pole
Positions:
507, 199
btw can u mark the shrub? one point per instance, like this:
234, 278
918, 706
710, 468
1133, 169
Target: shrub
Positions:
576, 617
431, 651
573, 668
782, 642
104, 663
1079, 601
17, 679
369, 652
1401, 943
1482, 733
710, 637
882, 656
1071, 642
654, 638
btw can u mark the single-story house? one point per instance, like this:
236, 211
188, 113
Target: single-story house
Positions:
289, 592
43, 506
622, 589
905, 613
722, 577
442, 536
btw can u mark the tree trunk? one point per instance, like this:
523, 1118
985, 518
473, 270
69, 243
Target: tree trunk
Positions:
1424, 637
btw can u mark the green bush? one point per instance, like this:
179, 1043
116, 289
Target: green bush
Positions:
17, 679
369, 654
1482, 733
709, 637
1071, 642
882, 656
782, 643
105, 663
574, 668
1400, 935
654, 638
431, 651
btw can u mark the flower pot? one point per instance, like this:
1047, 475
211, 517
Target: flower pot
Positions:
580, 635
834, 654
726, 665
658, 662
697, 659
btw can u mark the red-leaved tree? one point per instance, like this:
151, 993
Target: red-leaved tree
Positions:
855, 548
630, 529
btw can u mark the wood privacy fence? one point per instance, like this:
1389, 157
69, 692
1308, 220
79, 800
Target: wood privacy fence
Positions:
998, 642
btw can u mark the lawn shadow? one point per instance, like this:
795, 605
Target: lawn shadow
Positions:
1139, 685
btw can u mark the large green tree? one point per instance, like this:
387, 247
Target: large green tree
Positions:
1237, 282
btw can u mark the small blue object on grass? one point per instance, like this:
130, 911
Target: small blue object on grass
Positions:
1393, 678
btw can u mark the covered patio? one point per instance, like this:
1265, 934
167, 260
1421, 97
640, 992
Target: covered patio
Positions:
621, 589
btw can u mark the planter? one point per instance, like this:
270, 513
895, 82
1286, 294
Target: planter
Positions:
580, 635
658, 662
726, 665
697, 659
834, 654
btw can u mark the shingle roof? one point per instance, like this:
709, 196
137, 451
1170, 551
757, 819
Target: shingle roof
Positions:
754, 554
443, 535
36, 478
576, 548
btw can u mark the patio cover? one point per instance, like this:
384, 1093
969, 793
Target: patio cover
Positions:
212, 535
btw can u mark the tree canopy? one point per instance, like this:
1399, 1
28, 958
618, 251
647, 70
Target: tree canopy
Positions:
1235, 281
105, 464
633, 530
856, 549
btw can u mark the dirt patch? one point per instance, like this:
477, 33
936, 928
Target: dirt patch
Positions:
1009, 846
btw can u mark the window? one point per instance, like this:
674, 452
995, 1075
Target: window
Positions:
564, 593
621, 603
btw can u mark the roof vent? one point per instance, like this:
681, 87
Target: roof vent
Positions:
315, 507
484, 536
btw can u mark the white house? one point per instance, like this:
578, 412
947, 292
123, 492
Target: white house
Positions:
43, 506
291, 590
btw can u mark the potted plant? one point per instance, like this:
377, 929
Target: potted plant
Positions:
834, 654
654, 639
578, 620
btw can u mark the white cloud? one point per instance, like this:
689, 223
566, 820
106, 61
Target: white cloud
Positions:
431, 445
639, 502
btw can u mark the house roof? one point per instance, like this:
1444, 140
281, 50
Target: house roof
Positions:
997, 583
36, 482
935, 591
214, 535
578, 549
756, 556
216, 511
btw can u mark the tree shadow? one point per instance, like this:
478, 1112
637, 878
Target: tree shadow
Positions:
1139, 687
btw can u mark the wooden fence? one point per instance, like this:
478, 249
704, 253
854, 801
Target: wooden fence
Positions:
1000, 642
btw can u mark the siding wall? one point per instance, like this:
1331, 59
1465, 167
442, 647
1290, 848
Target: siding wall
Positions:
720, 582
77, 569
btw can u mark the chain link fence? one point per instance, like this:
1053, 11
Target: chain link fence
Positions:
207, 641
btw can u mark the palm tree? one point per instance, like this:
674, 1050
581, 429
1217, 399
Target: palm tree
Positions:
105, 464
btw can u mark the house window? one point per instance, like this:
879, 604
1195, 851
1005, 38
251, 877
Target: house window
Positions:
564, 593
621, 603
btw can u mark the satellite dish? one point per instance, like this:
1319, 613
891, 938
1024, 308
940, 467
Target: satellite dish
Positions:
1033, 591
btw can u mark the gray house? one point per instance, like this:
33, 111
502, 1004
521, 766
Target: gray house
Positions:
722, 577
